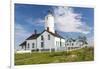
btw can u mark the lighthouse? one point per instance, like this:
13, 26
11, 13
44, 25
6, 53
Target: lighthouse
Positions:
49, 22
46, 40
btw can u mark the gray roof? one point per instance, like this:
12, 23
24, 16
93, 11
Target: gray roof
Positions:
71, 39
35, 36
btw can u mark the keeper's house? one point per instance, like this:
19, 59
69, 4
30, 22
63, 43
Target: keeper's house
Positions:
47, 40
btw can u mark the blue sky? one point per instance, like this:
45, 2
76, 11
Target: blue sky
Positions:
69, 21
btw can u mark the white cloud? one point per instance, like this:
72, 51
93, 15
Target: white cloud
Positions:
67, 20
20, 30
37, 21
20, 34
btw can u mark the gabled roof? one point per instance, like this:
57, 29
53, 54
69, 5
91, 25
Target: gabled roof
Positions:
55, 34
24, 43
35, 36
70, 39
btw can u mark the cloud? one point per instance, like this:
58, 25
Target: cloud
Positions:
37, 22
20, 34
20, 30
66, 20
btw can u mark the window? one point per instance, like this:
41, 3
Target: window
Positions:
41, 37
68, 48
32, 45
28, 45
42, 44
67, 44
48, 37
72, 44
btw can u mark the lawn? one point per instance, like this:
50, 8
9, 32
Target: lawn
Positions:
84, 54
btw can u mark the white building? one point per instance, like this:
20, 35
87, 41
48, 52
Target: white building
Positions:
47, 40
73, 44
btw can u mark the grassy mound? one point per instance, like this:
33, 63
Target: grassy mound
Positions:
84, 54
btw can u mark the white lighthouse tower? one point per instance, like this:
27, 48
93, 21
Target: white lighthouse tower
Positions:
49, 22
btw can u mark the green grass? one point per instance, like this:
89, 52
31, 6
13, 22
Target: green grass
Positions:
85, 54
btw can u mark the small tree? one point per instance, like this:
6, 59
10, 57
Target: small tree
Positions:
83, 39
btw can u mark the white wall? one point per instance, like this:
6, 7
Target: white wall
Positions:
30, 44
57, 44
47, 43
76, 45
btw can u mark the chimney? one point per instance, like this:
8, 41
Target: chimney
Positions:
35, 31
47, 28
